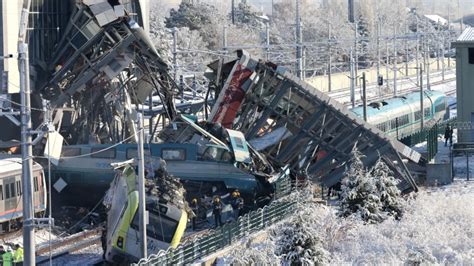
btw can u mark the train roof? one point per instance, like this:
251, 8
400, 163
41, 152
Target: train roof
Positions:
396, 102
13, 164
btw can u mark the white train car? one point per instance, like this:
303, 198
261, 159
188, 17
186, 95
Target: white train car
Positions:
11, 201
400, 117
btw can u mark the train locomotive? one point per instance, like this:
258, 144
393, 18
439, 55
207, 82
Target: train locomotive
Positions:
400, 117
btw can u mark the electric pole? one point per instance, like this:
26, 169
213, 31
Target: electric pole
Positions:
364, 97
26, 148
233, 12
353, 77
175, 53
422, 111
141, 188
330, 58
299, 37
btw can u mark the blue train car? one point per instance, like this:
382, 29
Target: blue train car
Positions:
400, 117
87, 168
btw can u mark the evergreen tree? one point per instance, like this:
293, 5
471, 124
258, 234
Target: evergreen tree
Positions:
372, 195
387, 189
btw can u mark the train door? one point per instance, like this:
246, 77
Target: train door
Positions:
11, 200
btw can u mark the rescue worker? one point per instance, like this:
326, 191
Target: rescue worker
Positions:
18, 255
195, 209
237, 204
217, 211
2, 251
447, 135
7, 257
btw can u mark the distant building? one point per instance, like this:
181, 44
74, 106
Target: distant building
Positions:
465, 85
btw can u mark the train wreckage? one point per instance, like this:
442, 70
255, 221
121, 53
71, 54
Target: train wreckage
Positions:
258, 123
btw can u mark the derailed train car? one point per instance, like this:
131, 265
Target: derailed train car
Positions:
166, 207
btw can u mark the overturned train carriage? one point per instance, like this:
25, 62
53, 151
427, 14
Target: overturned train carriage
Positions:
167, 216
294, 123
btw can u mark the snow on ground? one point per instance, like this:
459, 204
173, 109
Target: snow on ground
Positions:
437, 228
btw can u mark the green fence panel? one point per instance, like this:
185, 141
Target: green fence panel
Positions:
224, 236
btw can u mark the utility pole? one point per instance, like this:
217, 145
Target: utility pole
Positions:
267, 41
26, 148
395, 67
141, 188
353, 77
364, 97
356, 59
417, 48
378, 52
449, 37
387, 55
428, 66
407, 58
233, 12
422, 112
224, 39
330, 58
175, 53
299, 48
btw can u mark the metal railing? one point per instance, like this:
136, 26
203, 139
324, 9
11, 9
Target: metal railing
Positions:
223, 236
230, 233
430, 135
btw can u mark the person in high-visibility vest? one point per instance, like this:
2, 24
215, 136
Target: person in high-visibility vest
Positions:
7, 257
18, 255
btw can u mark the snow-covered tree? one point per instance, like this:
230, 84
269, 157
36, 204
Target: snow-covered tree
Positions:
371, 194
299, 241
387, 189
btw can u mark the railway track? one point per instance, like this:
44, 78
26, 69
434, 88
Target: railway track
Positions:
64, 246
345, 93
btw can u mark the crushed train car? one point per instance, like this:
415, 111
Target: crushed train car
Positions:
165, 204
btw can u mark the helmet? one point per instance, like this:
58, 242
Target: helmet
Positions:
235, 194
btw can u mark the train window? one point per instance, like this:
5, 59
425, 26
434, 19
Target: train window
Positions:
18, 188
35, 183
102, 153
132, 153
382, 127
7, 191
239, 143
440, 107
427, 111
12, 189
417, 115
1, 192
69, 152
159, 227
173, 154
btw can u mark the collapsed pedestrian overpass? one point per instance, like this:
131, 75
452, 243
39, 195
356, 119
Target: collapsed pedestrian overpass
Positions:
294, 123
